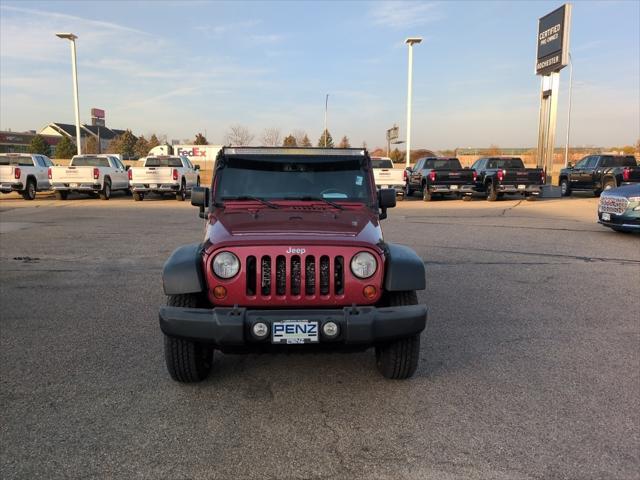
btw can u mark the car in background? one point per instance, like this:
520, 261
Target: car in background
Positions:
497, 176
164, 174
386, 175
438, 176
92, 174
24, 173
596, 173
619, 208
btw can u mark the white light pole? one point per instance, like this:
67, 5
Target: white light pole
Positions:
410, 41
566, 147
72, 38
326, 104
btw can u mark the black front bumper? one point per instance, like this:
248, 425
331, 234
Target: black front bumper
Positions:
630, 223
232, 326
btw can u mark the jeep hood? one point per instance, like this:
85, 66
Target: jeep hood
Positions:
293, 224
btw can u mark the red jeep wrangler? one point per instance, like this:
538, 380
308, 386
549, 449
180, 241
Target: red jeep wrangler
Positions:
293, 258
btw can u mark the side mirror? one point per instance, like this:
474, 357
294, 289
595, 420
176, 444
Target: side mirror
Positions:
386, 199
127, 167
200, 198
196, 166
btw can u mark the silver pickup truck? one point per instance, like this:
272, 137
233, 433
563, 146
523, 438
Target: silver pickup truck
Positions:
24, 173
92, 174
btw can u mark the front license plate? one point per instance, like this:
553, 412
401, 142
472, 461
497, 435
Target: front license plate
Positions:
153, 185
73, 185
606, 217
522, 187
294, 331
453, 187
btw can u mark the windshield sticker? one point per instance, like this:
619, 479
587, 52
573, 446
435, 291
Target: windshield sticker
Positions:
359, 180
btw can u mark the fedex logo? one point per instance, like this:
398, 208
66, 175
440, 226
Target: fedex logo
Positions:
194, 152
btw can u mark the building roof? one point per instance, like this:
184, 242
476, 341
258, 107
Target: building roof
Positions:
69, 130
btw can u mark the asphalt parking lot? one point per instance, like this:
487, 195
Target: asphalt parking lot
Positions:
529, 369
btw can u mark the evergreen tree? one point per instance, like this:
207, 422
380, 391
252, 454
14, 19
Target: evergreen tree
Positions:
39, 145
141, 148
65, 148
290, 141
153, 141
200, 140
305, 141
325, 140
344, 143
127, 145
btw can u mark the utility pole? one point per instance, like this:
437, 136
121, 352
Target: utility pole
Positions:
72, 38
410, 42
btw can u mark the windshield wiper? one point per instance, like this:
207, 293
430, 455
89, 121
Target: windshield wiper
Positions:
317, 199
251, 197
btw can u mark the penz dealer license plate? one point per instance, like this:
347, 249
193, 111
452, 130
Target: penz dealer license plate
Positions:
294, 331
606, 217
153, 185
522, 187
453, 187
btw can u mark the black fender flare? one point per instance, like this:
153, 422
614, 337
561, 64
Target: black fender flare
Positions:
182, 272
404, 269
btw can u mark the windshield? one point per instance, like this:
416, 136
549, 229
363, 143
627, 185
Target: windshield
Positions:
443, 164
23, 161
381, 163
272, 179
505, 163
89, 162
163, 162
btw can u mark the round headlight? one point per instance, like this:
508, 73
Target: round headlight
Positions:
363, 265
226, 265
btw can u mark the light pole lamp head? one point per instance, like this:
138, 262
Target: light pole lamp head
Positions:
413, 40
67, 36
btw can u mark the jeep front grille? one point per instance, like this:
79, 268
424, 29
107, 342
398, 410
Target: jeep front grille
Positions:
615, 205
291, 279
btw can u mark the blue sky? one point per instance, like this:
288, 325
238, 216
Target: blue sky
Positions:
177, 68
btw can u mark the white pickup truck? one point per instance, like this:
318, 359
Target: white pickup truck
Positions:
93, 174
386, 176
165, 174
25, 173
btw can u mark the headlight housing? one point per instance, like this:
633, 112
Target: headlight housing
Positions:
363, 265
225, 265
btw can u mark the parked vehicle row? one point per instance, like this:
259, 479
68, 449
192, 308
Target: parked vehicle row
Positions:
98, 176
597, 173
491, 177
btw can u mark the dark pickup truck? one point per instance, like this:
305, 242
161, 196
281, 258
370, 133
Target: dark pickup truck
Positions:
596, 173
438, 176
496, 176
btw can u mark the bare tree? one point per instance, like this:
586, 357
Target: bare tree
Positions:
300, 136
271, 137
238, 135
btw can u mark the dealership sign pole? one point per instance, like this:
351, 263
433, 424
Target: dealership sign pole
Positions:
552, 55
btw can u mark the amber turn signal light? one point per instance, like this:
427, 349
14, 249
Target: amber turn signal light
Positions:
369, 292
219, 292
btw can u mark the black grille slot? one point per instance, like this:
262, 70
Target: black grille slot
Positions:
265, 282
324, 275
296, 274
338, 274
310, 275
251, 275
281, 275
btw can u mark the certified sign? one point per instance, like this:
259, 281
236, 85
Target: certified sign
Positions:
553, 41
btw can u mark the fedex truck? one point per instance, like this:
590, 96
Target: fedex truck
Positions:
204, 155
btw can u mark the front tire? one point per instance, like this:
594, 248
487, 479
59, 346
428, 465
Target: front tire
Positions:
399, 359
62, 194
565, 188
187, 361
138, 196
408, 192
30, 191
105, 193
